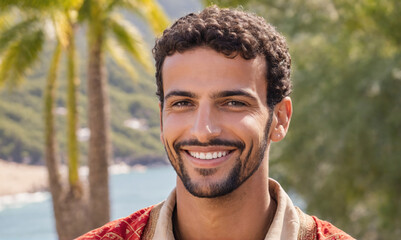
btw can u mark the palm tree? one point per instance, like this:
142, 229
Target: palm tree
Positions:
105, 26
20, 47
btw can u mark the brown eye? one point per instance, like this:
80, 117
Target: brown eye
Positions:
182, 104
235, 103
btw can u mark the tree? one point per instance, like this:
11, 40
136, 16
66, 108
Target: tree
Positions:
105, 26
342, 153
76, 212
22, 43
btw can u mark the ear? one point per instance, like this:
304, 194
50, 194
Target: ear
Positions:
161, 122
282, 117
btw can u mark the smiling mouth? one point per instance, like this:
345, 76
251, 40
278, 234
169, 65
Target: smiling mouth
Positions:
208, 155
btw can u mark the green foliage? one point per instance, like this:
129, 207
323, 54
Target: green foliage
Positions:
22, 45
129, 143
122, 39
29, 4
21, 136
21, 121
130, 39
342, 152
21, 41
9, 35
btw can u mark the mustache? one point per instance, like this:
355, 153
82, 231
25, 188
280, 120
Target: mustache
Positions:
213, 142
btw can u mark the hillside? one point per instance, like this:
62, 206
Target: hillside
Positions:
134, 117
134, 107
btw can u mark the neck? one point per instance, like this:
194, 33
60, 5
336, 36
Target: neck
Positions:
246, 213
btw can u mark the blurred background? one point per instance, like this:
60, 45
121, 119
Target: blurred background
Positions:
340, 161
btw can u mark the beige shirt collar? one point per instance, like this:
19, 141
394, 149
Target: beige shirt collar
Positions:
285, 225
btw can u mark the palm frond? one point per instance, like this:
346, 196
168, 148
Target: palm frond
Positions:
72, 4
113, 4
118, 54
15, 32
6, 18
130, 39
19, 57
84, 11
30, 4
62, 27
151, 12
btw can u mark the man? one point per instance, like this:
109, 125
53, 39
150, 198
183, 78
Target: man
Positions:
223, 82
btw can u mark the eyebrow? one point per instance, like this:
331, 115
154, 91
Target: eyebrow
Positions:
231, 93
222, 94
178, 93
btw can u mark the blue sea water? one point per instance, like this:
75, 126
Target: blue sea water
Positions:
33, 219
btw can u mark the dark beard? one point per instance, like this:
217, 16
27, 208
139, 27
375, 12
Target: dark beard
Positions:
237, 176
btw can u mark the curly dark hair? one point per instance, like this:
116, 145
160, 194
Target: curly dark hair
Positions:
230, 32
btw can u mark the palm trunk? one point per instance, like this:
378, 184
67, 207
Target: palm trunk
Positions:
73, 148
52, 161
70, 209
73, 202
99, 143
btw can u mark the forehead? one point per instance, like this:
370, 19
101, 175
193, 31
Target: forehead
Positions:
203, 69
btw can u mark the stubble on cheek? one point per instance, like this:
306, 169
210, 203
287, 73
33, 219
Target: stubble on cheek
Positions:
247, 165
174, 160
252, 163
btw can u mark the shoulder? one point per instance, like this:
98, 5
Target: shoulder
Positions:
130, 227
327, 231
312, 228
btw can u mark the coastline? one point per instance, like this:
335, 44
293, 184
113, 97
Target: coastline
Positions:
18, 178
21, 184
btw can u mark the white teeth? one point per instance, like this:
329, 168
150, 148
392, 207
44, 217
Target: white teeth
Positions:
209, 155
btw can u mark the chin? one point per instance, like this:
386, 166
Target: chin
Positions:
204, 189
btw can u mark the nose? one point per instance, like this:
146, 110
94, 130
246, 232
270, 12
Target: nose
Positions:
205, 124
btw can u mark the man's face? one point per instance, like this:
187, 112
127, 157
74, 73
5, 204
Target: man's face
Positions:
215, 120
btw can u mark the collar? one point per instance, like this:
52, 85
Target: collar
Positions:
285, 225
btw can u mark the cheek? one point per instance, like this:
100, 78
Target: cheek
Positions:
174, 129
253, 133
250, 127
